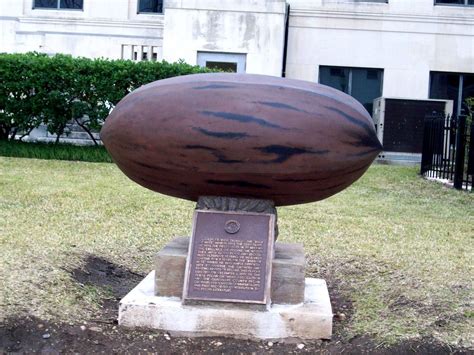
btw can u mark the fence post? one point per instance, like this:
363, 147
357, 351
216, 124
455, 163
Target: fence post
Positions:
460, 150
470, 159
424, 152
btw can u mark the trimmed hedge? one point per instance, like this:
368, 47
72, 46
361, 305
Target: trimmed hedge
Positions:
37, 89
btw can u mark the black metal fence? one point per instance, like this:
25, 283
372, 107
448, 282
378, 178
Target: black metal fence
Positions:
448, 150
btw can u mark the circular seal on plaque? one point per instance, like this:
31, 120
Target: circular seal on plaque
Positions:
232, 226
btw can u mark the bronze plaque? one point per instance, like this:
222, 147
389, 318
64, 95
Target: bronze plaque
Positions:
230, 257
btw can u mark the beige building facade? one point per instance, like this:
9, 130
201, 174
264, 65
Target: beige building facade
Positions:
396, 48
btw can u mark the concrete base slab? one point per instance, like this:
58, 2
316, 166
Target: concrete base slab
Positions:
399, 158
311, 319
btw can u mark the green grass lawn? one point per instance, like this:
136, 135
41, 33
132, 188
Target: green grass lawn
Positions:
399, 248
54, 151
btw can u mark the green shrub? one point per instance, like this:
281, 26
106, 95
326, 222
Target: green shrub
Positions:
470, 109
19, 102
36, 89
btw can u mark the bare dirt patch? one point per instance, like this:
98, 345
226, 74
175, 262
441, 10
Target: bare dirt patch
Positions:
102, 334
113, 280
28, 335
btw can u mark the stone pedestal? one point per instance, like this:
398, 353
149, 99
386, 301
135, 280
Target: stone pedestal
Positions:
231, 278
311, 319
287, 285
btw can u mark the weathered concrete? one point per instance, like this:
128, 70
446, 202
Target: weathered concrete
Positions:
309, 320
288, 274
170, 265
252, 28
287, 271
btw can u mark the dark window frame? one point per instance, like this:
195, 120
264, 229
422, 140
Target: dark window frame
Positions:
58, 7
150, 12
459, 101
350, 76
465, 4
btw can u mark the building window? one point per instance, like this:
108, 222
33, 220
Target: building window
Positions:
58, 4
363, 84
224, 66
150, 6
454, 2
452, 86
139, 52
228, 62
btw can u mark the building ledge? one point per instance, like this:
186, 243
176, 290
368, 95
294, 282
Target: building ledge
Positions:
467, 20
158, 24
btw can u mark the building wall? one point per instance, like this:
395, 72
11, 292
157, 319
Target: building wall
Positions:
99, 30
406, 38
254, 28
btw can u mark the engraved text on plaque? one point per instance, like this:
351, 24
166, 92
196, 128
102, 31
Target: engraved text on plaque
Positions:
230, 257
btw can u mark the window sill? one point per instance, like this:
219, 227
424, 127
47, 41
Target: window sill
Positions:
56, 9
345, 2
454, 5
150, 13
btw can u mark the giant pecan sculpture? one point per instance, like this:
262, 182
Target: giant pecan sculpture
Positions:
241, 135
